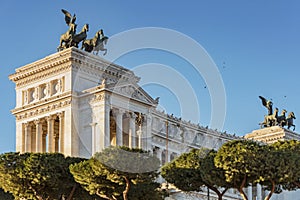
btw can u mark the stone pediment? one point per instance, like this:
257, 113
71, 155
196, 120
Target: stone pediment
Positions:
133, 92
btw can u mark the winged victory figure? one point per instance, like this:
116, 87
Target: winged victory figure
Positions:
268, 104
66, 38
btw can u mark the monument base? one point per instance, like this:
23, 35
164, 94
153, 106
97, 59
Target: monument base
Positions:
272, 134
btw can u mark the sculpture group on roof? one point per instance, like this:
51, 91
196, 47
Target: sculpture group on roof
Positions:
72, 39
273, 119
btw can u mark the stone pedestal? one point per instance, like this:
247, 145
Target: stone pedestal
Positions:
272, 134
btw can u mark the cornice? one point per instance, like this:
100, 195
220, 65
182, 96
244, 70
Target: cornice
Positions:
42, 74
41, 65
70, 58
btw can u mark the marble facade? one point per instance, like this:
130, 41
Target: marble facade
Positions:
76, 103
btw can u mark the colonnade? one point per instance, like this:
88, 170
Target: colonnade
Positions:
44, 134
123, 128
128, 128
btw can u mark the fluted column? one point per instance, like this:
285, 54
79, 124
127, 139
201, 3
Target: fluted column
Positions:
259, 194
249, 192
44, 141
39, 136
50, 129
93, 125
148, 139
140, 121
27, 127
61, 132
119, 126
107, 126
132, 133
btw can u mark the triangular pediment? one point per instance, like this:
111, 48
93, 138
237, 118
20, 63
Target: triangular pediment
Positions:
134, 92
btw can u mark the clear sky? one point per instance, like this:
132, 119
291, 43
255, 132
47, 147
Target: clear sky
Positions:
255, 45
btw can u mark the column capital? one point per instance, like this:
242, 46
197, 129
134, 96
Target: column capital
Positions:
50, 117
118, 111
132, 115
127, 114
27, 124
38, 121
93, 124
60, 115
140, 119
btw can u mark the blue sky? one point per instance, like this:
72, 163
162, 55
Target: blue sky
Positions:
255, 45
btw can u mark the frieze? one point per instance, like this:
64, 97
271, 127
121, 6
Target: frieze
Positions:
100, 97
43, 109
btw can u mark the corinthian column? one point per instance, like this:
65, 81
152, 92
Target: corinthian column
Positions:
61, 132
140, 121
27, 127
119, 126
249, 192
93, 125
50, 129
39, 135
132, 133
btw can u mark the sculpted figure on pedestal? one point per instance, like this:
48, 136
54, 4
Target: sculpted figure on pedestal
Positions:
71, 39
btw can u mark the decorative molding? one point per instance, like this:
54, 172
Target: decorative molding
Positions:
42, 109
37, 75
132, 92
71, 58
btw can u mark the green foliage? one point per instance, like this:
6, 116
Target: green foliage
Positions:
240, 160
37, 175
192, 170
147, 191
274, 166
5, 196
183, 172
283, 160
93, 176
119, 171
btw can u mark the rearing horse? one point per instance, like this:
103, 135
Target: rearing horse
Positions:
77, 38
88, 45
290, 120
281, 120
100, 45
66, 38
270, 120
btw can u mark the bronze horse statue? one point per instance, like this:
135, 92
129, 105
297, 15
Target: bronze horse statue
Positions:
66, 38
281, 119
77, 38
100, 45
270, 120
88, 45
290, 120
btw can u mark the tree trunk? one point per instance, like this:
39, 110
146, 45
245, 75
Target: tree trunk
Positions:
103, 196
125, 192
220, 195
272, 191
240, 189
72, 192
39, 197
